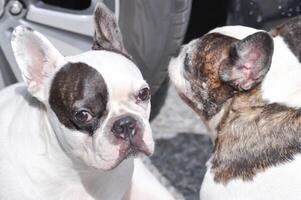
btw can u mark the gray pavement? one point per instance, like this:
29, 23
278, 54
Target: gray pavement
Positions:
176, 117
182, 149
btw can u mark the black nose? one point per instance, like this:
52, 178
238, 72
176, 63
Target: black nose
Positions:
125, 127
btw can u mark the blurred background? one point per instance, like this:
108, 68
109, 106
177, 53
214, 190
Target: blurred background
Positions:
153, 31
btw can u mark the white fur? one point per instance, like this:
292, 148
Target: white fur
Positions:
42, 159
238, 32
282, 84
126, 80
34, 166
276, 183
145, 186
122, 90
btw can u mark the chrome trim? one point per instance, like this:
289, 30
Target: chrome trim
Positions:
117, 9
2, 3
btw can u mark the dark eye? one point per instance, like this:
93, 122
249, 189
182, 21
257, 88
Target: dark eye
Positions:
83, 116
144, 94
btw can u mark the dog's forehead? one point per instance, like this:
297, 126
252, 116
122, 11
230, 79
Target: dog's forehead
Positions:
116, 69
208, 51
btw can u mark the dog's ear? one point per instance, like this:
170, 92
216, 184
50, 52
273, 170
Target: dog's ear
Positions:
37, 59
107, 33
248, 62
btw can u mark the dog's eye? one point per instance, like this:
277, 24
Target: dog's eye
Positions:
144, 94
83, 116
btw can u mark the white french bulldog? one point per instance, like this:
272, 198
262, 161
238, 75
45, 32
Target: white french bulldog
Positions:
71, 132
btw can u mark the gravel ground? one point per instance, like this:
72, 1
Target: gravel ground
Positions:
182, 149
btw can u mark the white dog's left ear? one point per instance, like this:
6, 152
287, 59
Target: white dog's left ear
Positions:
107, 33
37, 59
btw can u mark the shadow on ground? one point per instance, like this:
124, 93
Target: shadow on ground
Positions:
182, 161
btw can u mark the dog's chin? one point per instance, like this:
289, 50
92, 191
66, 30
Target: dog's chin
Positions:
107, 165
132, 152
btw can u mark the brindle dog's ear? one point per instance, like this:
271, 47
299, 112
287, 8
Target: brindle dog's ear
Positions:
248, 62
107, 33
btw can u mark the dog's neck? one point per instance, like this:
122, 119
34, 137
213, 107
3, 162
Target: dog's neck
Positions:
254, 135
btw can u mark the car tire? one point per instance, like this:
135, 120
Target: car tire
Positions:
153, 32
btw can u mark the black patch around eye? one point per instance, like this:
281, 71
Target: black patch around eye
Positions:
77, 86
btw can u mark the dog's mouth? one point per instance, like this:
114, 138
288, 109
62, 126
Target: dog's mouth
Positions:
134, 150
135, 145
139, 144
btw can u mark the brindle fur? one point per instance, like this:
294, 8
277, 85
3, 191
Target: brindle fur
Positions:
204, 77
253, 136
